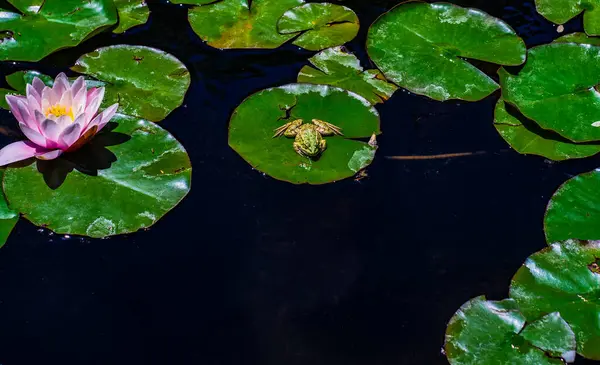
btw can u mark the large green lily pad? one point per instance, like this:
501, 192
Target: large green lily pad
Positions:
530, 139
489, 333
239, 23
561, 11
253, 122
421, 46
46, 27
8, 217
148, 83
565, 278
337, 67
151, 175
556, 94
131, 13
574, 210
322, 25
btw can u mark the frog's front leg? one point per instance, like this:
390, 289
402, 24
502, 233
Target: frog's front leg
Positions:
327, 129
289, 129
323, 145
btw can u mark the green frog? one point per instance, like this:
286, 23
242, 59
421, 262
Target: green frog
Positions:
309, 140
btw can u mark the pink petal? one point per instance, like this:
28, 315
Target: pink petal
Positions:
24, 111
61, 84
30, 91
70, 135
38, 85
78, 85
12, 101
50, 155
33, 105
67, 99
50, 129
91, 93
92, 107
48, 98
79, 101
18, 151
34, 136
39, 118
103, 118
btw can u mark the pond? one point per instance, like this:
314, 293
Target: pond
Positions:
248, 269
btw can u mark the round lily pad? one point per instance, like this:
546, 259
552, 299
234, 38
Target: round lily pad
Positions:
337, 67
131, 13
574, 210
561, 11
239, 23
44, 27
8, 217
421, 46
124, 180
556, 94
489, 333
529, 138
252, 126
148, 83
578, 37
322, 25
565, 278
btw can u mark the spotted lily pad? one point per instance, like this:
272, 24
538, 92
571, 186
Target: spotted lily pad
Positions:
336, 67
124, 180
561, 11
486, 332
8, 217
252, 126
421, 47
574, 210
239, 23
559, 95
565, 278
148, 83
529, 138
131, 13
44, 27
320, 25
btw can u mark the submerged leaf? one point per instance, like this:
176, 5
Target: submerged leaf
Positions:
124, 180
253, 123
565, 278
421, 46
336, 67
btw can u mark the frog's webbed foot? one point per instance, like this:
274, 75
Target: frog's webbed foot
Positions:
288, 129
327, 129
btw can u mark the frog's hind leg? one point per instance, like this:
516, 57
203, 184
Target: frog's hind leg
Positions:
327, 129
288, 129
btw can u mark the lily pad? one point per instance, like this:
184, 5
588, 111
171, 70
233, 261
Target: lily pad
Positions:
578, 37
336, 67
148, 83
126, 180
561, 11
531, 139
131, 13
565, 278
574, 210
421, 46
239, 23
488, 332
8, 217
320, 25
46, 27
253, 123
556, 94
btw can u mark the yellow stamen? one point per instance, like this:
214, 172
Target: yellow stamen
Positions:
60, 110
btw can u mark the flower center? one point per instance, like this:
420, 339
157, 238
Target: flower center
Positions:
60, 110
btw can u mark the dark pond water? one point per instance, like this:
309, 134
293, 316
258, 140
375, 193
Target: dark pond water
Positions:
249, 270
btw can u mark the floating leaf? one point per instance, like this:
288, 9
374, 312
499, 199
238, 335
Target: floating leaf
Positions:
561, 11
253, 122
420, 46
531, 139
487, 332
45, 27
8, 217
148, 83
122, 181
239, 23
565, 278
556, 94
580, 38
574, 210
336, 67
131, 13
321, 25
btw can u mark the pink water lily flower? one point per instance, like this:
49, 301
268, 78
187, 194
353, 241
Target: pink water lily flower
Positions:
55, 120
